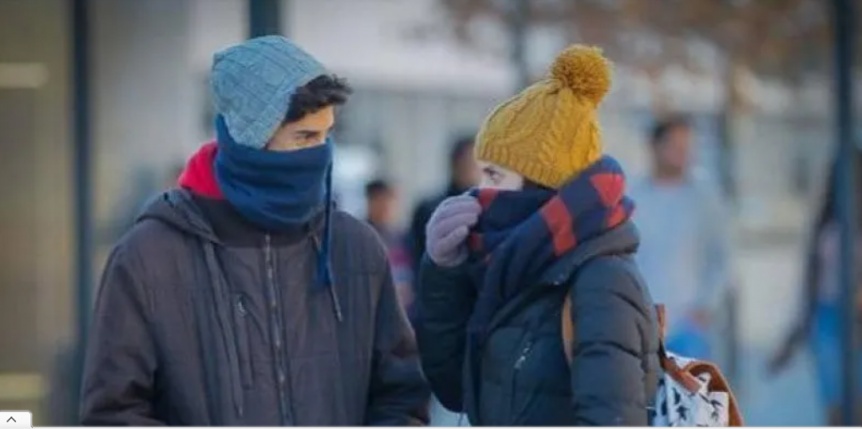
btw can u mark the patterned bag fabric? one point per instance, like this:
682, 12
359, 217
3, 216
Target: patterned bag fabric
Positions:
691, 392
676, 405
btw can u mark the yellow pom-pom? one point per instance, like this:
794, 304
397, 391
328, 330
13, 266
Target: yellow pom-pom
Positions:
585, 70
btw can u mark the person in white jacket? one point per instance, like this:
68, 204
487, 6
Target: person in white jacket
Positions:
684, 254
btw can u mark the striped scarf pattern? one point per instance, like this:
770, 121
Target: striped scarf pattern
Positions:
520, 234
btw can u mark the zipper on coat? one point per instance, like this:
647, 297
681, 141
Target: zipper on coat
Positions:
243, 345
333, 294
516, 369
277, 334
525, 353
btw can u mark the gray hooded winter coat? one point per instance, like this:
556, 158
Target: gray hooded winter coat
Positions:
204, 320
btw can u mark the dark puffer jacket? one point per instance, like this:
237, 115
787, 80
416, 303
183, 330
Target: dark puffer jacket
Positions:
521, 376
204, 320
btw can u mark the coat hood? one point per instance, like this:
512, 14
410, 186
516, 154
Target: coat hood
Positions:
177, 209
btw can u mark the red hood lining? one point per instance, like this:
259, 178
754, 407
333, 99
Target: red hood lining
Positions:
199, 173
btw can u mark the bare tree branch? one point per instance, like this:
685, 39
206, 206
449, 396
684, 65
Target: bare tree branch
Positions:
783, 39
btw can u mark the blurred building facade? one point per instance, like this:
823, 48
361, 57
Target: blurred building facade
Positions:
416, 89
36, 282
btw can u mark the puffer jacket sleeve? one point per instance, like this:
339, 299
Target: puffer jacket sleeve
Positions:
445, 303
611, 316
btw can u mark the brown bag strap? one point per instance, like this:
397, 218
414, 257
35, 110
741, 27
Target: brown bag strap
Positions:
568, 329
670, 367
718, 383
662, 323
686, 376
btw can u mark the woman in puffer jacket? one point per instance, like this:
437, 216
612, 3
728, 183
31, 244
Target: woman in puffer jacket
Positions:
550, 221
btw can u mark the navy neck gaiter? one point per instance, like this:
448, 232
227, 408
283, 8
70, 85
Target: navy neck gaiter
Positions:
273, 190
278, 190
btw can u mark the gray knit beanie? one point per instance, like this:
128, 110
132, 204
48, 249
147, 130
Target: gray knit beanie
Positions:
252, 84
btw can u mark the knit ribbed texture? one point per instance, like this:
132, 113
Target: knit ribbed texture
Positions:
252, 84
549, 132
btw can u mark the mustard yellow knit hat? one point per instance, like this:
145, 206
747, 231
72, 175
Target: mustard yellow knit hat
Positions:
549, 132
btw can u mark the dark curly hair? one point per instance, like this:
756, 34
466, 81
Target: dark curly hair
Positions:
377, 187
664, 127
322, 91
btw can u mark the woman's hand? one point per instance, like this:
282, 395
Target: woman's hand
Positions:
448, 228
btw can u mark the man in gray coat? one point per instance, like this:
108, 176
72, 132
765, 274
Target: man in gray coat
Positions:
243, 297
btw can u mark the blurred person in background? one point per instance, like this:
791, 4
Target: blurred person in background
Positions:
819, 321
463, 174
382, 202
549, 222
684, 253
243, 298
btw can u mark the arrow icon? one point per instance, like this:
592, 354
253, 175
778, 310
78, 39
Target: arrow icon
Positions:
16, 419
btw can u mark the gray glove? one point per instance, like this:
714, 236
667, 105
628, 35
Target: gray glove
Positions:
448, 228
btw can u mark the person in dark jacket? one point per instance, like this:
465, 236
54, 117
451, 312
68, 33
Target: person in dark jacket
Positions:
463, 174
243, 297
550, 220
381, 199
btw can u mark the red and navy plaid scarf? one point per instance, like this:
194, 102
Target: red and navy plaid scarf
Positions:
520, 234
